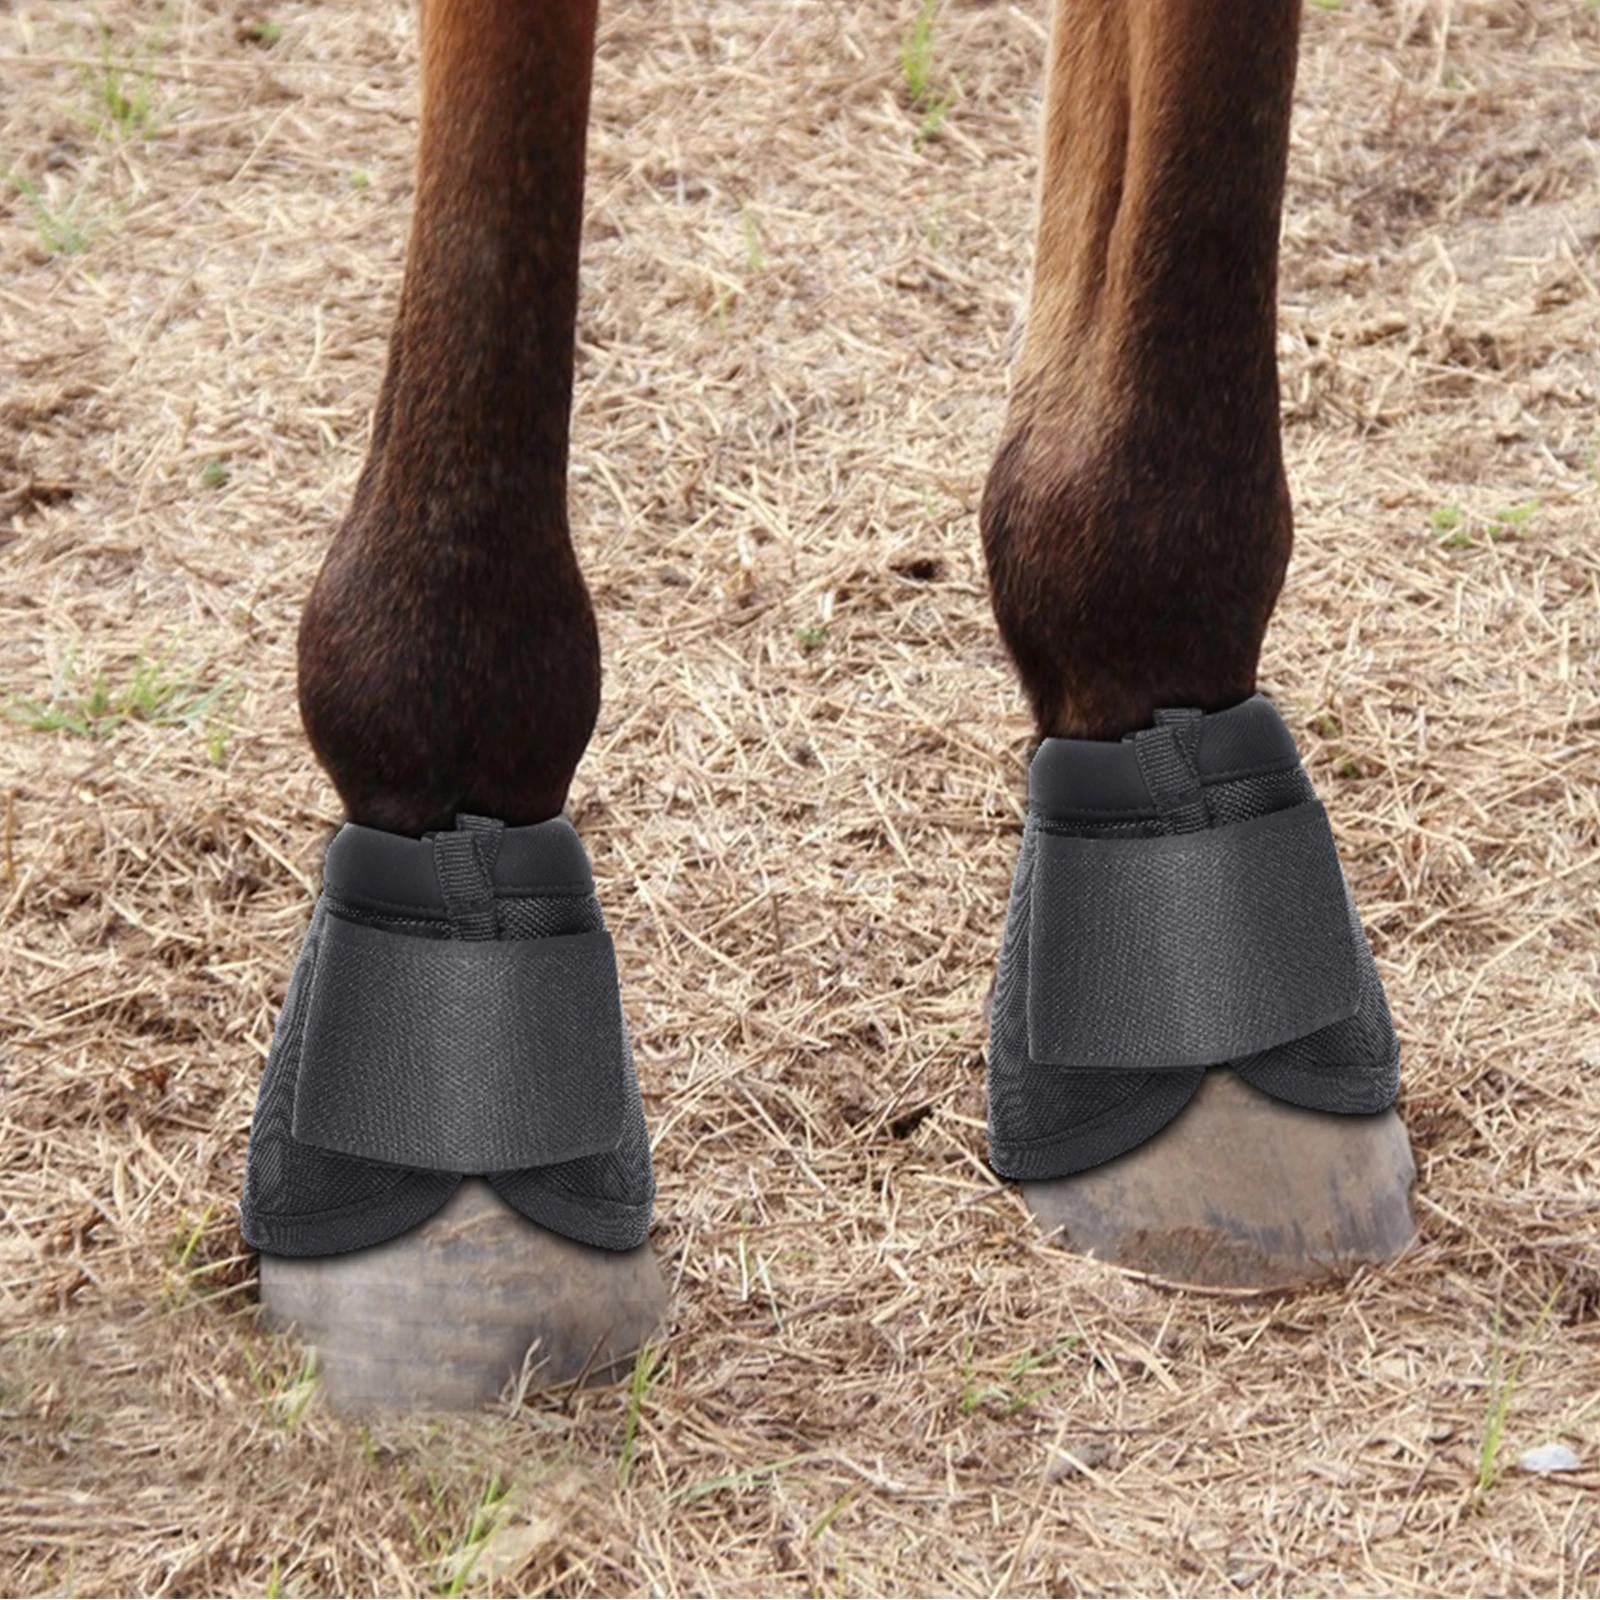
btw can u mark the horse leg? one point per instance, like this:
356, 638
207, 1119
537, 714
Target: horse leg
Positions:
449, 682
449, 659
1136, 526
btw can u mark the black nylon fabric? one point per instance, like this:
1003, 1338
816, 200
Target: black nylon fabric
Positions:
461, 1056
1189, 949
1048, 1120
303, 1200
1168, 756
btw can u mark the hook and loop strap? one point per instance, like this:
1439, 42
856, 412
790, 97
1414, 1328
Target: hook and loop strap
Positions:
1168, 756
464, 861
462, 1055
1191, 949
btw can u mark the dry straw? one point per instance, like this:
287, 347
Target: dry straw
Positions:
802, 805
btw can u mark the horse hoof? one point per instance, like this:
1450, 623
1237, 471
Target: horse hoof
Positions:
445, 1316
1242, 1191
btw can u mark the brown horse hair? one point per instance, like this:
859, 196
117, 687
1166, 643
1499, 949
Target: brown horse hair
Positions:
449, 658
1136, 520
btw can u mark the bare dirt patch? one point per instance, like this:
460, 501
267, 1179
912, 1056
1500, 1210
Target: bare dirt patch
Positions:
802, 804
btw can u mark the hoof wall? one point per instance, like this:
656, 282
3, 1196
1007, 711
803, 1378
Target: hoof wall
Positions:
1242, 1191
442, 1318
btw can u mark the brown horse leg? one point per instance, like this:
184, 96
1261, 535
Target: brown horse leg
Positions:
449, 662
1136, 525
448, 654
1136, 521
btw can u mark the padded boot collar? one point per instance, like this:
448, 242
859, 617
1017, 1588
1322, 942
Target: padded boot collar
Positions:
1091, 775
390, 869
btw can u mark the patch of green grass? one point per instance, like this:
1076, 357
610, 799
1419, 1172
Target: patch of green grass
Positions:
916, 53
1512, 518
284, 1386
1328, 5
812, 637
120, 93
431, 1544
761, 1273
1013, 1391
644, 1371
90, 707
926, 91
454, 1524
832, 1515
1502, 1388
934, 117
457, 1562
203, 1264
1458, 531
62, 222
216, 473
972, 1395
180, 1256
361, 179
260, 30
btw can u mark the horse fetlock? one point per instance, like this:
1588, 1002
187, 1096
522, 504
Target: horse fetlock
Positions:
441, 673
1124, 576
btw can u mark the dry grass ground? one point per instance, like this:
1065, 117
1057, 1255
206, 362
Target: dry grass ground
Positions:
802, 805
